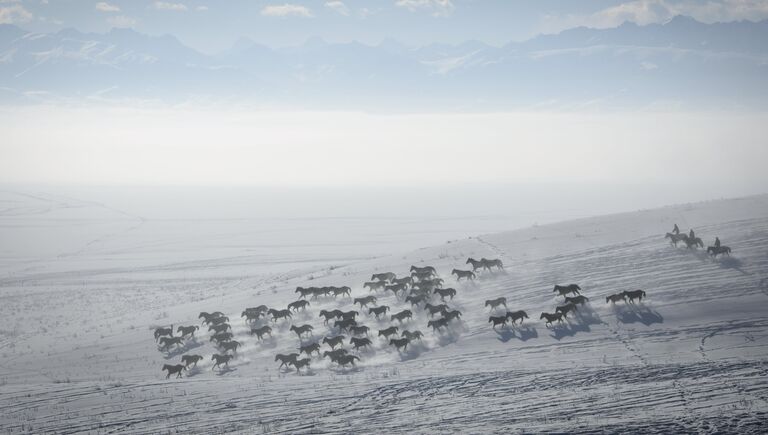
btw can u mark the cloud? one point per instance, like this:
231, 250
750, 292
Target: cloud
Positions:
121, 21
286, 10
106, 7
438, 8
167, 6
14, 14
644, 12
338, 6
202, 8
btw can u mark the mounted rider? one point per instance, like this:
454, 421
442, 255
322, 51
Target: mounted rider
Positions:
676, 230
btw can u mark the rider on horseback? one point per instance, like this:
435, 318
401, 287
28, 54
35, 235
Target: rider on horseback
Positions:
717, 242
676, 230
691, 234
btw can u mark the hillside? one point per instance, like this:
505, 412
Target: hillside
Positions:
77, 350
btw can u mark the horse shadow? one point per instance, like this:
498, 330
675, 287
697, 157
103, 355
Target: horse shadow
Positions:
732, 263
523, 334
587, 315
450, 336
562, 330
637, 314
226, 369
414, 351
180, 350
194, 371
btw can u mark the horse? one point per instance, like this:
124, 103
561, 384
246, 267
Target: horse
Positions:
207, 317
364, 301
352, 314
415, 299
402, 315
443, 292
279, 314
692, 243
251, 316
374, 285
327, 315
563, 290
565, 309
341, 291
406, 281
191, 359
451, 315
386, 276
335, 354
425, 269
178, 368
359, 330
436, 325
345, 324
301, 330
221, 336
421, 276
399, 343
219, 328
159, 332
415, 335
221, 359
334, 341
298, 305
576, 300
343, 360
552, 317
309, 348
259, 332
285, 360
229, 345
498, 320
468, 274
476, 264
514, 316
219, 320
433, 309
717, 250
634, 294
434, 282
392, 330
615, 298
674, 239
359, 342
304, 292
493, 303
299, 363
187, 330
377, 311
167, 342
395, 288
488, 264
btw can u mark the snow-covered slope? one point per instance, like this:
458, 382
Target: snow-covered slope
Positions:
77, 350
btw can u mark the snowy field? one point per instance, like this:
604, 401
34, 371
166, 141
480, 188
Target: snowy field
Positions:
84, 286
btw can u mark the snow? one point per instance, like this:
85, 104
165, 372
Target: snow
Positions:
83, 286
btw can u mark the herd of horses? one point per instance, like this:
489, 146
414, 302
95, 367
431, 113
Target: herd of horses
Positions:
422, 288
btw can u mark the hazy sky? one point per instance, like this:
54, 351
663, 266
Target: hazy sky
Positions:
231, 147
214, 25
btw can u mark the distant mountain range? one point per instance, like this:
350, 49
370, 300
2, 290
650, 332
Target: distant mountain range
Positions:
682, 63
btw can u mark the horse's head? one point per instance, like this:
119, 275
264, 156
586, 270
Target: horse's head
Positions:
469, 260
542, 316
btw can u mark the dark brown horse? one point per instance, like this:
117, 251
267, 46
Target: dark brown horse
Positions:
175, 369
634, 294
399, 343
514, 316
552, 317
563, 290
